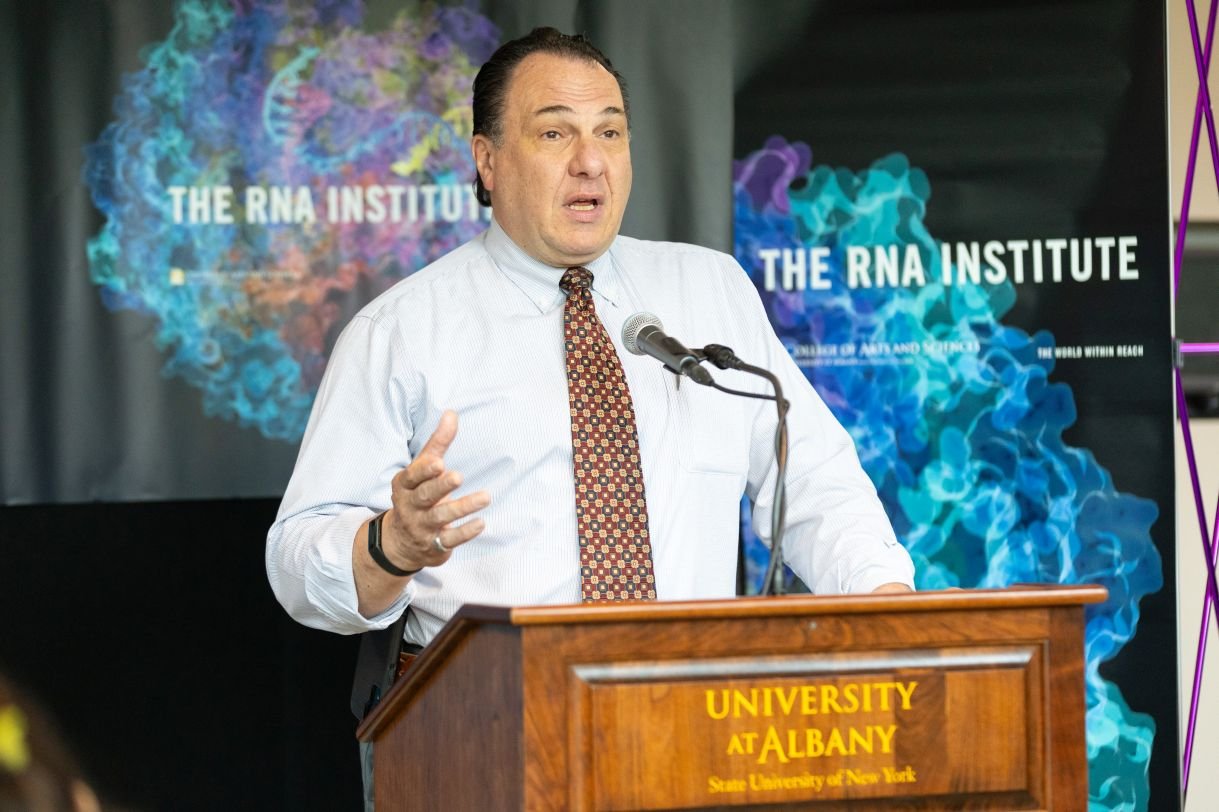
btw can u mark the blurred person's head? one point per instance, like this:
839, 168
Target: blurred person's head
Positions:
37, 773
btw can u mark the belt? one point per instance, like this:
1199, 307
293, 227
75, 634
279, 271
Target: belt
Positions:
406, 656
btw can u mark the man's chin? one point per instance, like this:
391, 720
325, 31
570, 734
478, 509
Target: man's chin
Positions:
579, 252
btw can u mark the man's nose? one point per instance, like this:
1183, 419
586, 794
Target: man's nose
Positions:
588, 160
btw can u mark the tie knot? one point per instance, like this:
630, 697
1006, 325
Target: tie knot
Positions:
576, 279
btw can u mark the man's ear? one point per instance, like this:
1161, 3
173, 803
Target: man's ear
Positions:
484, 154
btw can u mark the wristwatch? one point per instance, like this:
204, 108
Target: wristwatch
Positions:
378, 554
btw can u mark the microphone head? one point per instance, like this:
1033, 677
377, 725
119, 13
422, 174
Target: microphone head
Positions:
634, 325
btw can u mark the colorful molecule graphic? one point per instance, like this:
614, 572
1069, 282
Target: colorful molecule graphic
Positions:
270, 169
964, 446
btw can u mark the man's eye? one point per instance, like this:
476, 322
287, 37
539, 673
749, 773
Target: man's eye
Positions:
550, 135
611, 134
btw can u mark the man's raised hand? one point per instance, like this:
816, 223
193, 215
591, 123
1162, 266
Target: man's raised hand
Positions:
420, 530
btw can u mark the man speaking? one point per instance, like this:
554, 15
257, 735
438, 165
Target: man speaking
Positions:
482, 435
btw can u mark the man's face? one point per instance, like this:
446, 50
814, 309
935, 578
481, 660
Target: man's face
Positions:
561, 175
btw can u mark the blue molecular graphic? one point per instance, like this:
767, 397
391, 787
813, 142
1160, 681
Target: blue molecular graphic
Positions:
956, 419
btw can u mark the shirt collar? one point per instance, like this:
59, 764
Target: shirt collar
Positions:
539, 281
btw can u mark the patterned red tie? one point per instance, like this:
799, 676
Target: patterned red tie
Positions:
611, 514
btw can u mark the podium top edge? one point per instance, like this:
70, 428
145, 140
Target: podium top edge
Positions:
1015, 597
471, 616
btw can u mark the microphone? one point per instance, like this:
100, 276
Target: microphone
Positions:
643, 334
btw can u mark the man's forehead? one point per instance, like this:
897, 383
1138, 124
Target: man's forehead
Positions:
563, 109
548, 83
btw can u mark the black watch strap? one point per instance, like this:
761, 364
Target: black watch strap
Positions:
378, 554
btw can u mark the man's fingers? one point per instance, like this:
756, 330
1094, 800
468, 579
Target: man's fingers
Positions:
419, 471
421, 523
429, 462
430, 492
459, 535
414, 533
434, 490
455, 509
442, 437
423, 511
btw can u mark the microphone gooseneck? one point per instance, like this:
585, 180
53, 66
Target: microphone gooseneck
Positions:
723, 357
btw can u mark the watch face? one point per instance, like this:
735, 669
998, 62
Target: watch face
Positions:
378, 554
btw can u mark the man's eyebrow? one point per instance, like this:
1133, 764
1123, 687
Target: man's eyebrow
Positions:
563, 108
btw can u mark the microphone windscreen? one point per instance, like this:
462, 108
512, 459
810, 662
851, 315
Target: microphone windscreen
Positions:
632, 328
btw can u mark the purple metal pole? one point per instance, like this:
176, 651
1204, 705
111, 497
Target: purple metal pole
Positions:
1211, 600
1203, 65
1202, 104
1199, 349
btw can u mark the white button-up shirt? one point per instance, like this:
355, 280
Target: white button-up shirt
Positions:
481, 332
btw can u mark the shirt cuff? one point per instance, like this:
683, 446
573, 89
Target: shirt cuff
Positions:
898, 570
330, 582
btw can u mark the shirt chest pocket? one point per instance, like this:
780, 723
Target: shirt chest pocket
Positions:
714, 430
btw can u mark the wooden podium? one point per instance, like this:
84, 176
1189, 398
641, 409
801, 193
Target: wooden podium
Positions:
944, 700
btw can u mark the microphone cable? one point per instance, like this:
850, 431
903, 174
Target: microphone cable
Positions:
724, 358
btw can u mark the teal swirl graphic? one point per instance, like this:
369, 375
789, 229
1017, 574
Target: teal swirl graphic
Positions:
961, 432
291, 97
